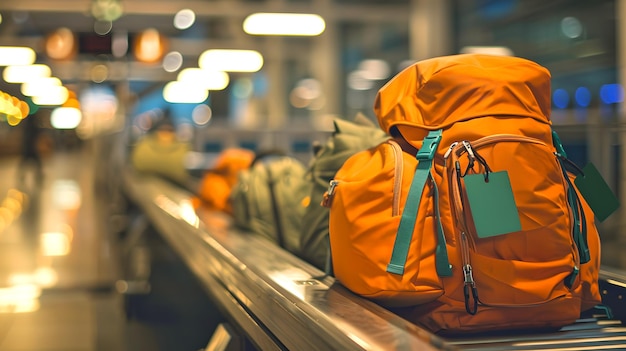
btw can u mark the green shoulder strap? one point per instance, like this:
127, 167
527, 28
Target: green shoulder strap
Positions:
580, 223
425, 157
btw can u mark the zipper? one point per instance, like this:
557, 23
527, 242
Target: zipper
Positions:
397, 176
468, 148
493, 139
449, 151
573, 277
469, 285
327, 199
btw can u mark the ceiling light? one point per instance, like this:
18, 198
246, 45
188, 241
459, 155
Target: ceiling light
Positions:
55, 244
16, 55
61, 44
231, 60
150, 46
210, 80
66, 118
179, 92
184, 19
487, 50
25, 73
39, 86
55, 96
284, 24
173, 61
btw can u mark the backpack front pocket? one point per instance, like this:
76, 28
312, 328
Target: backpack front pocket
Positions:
527, 267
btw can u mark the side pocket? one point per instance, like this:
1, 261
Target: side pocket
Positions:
362, 230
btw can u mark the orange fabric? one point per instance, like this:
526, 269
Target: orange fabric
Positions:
501, 106
363, 222
216, 185
436, 93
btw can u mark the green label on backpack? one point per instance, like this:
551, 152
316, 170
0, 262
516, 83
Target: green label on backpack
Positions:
596, 192
492, 204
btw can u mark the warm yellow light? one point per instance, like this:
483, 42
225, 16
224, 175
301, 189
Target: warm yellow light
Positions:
9, 109
179, 92
40, 86
150, 46
55, 96
24, 108
55, 244
300, 24
487, 50
19, 298
61, 44
25, 73
66, 195
231, 60
12, 120
188, 213
65, 118
210, 80
16, 55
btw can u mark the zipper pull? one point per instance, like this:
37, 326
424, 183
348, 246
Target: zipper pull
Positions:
470, 307
469, 286
469, 149
329, 194
449, 151
468, 277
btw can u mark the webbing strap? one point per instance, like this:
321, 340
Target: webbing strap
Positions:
425, 156
442, 263
580, 222
556, 141
407, 221
579, 232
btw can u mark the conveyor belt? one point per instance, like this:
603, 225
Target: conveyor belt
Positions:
281, 302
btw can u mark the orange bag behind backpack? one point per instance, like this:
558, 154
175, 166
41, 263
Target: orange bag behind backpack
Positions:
217, 183
467, 115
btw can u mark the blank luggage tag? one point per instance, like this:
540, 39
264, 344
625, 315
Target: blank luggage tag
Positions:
596, 192
492, 204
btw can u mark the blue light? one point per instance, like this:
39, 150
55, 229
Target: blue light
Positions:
496, 8
582, 97
560, 98
611, 93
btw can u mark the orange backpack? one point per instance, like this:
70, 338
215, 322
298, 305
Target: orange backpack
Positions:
217, 183
405, 220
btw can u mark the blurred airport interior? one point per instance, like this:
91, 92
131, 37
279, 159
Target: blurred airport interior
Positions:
84, 80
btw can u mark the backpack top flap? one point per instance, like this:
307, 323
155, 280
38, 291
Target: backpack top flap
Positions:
435, 93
